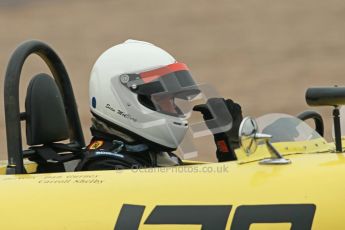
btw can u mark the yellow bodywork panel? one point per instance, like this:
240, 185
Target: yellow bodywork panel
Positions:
94, 200
318, 145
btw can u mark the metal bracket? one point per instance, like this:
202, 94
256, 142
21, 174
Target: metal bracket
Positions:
277, 158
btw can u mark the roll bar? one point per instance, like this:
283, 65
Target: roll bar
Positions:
11, 99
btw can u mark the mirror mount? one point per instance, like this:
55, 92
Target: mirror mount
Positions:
249, 138
276, 157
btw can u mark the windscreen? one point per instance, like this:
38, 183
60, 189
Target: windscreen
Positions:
285, 128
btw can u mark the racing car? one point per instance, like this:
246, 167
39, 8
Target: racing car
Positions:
286, 176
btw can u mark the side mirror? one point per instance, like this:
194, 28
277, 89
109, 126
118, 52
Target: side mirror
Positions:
249, 138
247, 131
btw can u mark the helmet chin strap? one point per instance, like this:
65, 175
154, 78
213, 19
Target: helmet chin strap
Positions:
103, 127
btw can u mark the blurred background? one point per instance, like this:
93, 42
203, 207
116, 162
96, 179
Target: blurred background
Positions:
262, 54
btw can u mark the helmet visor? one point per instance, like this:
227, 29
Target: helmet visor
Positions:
175, 104
165, 90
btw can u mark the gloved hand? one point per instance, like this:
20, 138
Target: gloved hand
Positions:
216, 114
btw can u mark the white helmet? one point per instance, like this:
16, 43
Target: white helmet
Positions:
133, 87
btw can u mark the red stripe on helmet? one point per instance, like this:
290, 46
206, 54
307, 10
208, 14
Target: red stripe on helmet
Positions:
157, 73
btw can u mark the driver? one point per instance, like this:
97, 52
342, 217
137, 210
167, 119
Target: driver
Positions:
136, 123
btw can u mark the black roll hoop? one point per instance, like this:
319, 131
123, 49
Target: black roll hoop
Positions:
11, 99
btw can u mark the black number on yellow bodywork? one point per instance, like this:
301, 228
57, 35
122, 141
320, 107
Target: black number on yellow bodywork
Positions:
216, 216
208, 216
129, 217
299, 215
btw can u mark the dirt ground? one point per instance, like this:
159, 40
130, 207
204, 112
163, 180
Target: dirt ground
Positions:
263, 54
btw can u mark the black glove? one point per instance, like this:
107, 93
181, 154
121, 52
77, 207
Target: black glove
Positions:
216, 115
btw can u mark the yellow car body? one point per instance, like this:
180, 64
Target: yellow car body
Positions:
232, 195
